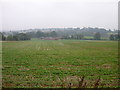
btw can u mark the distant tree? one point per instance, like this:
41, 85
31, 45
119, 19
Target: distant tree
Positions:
109, 30
79, 36
31, 34
18, 37
97, 36
111, 37
47, 34
2, 37
74, 36
15, 38
114, 37
53, 34
10, 38
39, 34
22, 36
66, 37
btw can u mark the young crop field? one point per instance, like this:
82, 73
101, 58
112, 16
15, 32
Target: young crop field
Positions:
60, 63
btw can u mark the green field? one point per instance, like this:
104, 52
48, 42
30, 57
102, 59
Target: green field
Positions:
57, 63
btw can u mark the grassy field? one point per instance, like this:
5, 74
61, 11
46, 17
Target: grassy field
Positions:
60, 63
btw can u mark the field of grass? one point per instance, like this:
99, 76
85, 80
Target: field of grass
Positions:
46, 64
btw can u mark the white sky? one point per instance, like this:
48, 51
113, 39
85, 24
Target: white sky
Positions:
27, 14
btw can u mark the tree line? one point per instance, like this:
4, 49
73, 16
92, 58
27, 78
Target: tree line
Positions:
27, 36
40, 34
96, 36
114, 37
17, 37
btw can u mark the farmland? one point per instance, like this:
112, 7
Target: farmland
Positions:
56, 63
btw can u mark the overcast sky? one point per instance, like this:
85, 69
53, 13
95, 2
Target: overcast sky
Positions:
30, 14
